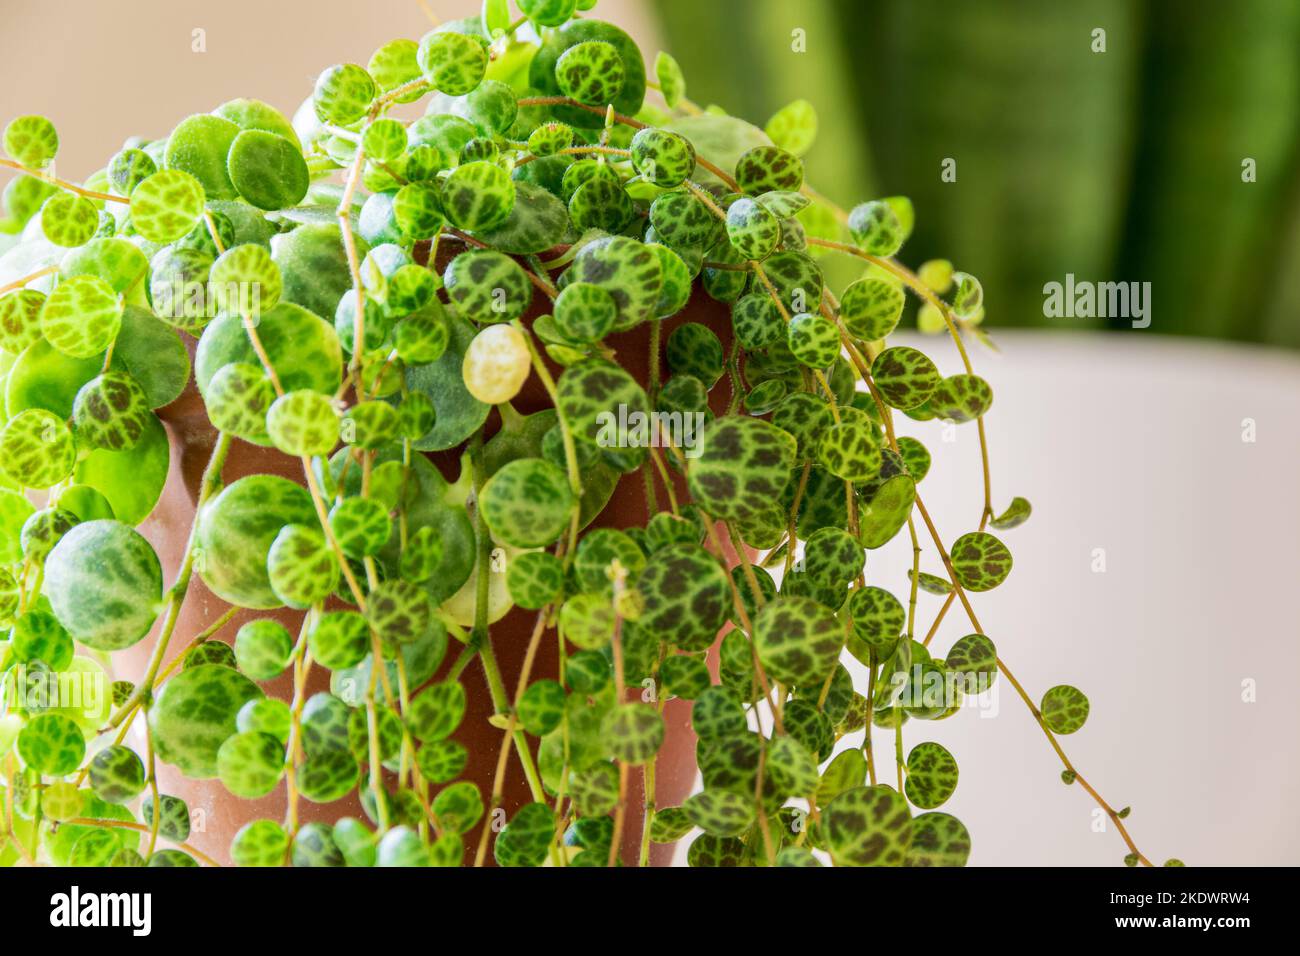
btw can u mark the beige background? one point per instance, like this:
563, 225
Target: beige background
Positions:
1129, 443
103, 70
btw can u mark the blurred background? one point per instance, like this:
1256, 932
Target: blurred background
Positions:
1172, 157
1119, 165
1124, 164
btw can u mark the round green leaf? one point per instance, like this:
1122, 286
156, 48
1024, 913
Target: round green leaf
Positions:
194, 714
1064, 709
980, 561
167, 205
104, 583
798, 640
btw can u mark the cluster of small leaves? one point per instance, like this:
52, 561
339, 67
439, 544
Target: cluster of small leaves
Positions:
538, 209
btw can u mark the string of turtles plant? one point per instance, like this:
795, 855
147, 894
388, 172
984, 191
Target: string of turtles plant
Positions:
538, 208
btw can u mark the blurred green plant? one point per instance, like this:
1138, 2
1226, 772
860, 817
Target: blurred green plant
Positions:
1122, 165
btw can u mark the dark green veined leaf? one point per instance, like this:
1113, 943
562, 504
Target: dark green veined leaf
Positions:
980, 561
867, 826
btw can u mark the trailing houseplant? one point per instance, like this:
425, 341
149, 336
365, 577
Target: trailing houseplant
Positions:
447, 349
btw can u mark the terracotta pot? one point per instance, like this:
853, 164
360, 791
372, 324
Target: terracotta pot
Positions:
216, 814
